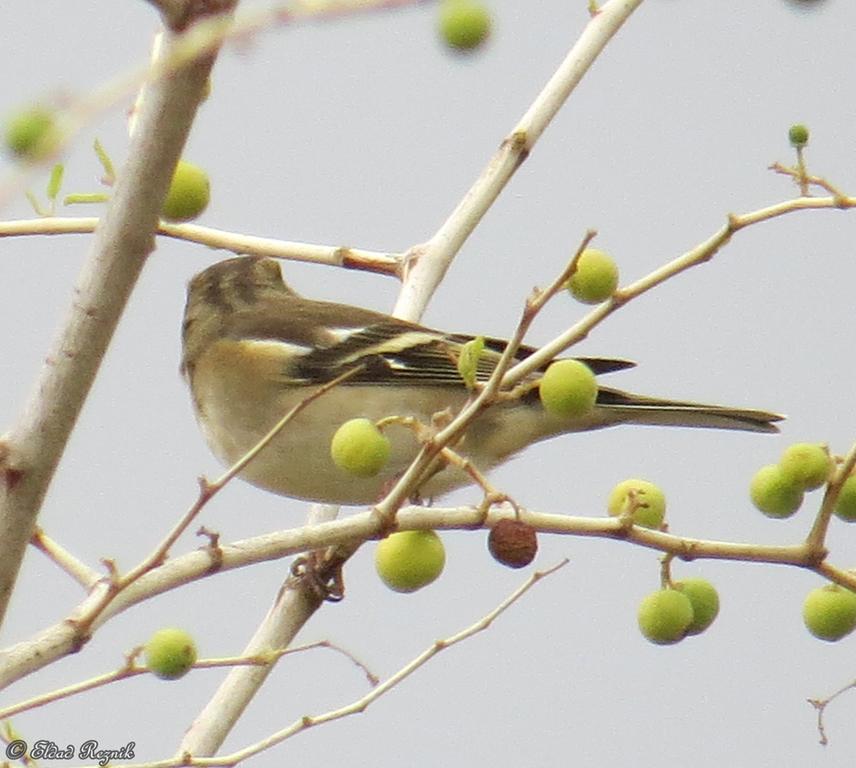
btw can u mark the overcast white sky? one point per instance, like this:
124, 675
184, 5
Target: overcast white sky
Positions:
366, 132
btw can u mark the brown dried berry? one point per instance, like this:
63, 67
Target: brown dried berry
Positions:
513, 543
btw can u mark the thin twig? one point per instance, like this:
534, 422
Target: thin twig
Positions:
207, 491
361, 704
820, 706
249, 245
131, 669
84, 575
201, 40
817, 535
700, 254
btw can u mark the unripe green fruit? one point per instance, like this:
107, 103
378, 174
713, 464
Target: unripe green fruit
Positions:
409, 560
360, 448
845, 505
595, 278
568, 388
32, 133
705, 602
664, 616
649, 502
798, 135
170, 653
774, 493
188, 195
829, 612
807, 464
464, 24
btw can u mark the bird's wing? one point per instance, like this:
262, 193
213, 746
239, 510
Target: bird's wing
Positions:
394, 353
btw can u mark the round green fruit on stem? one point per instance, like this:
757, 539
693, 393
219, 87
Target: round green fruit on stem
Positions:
664, 616
568, 388
845, 505
775, 494
705, 602
409, 560
807, 464
360, 448
513, 543
829, 612
32, 133
189, 193
648, 502
798, 135
595, 278
464, 24
170, 653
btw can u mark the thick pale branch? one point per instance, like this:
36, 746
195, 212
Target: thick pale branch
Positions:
432, 263
429, 262
30, 453
294, 604
63, 638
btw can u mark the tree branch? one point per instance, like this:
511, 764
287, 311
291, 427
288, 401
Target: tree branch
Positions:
429, 262
29, 454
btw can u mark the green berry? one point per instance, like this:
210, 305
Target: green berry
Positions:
189, 193
649, 502
513, 543
409, 560
464, 24
798, 135
705, 602
360, 448
807, 464
595, 278
845, 505
664, 616
32, 133
775, 494
170, 653
568, 389
829, 612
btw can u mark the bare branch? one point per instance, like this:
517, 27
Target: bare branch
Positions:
700, 254
429, 262
79, 571
190, 758
124, 238
249, 245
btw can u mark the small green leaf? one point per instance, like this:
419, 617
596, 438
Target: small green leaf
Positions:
468, 360
85, 198
55, 181
37, 206
106, 163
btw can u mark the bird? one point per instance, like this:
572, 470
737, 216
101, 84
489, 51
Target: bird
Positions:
252, 348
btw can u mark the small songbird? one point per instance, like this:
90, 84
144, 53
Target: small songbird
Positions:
253, 348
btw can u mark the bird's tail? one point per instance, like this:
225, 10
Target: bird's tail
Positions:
620, 407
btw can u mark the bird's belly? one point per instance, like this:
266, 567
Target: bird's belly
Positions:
297, 462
